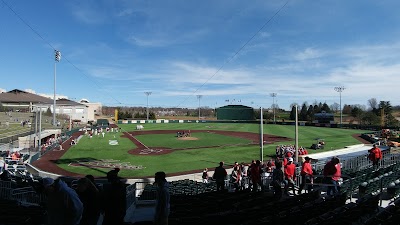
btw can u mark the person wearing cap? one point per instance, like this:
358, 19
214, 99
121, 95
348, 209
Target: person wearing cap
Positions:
306, 175
375, 155
289, 172
162, 201
114, 199
63, 204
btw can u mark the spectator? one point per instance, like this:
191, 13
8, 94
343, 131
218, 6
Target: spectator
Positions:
114, 200
270, 166
162, 201
290, 176
256, 175
332, 174
2, 164
375, 155
245, 179
235, 177
91, 178
63, 204
236, 164
205, 176
89, 196
306, 175
277, 179
220, 176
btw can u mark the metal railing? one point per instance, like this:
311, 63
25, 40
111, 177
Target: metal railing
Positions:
5, 192
361, 162
130, 195
149, 195
28, 197
389, 177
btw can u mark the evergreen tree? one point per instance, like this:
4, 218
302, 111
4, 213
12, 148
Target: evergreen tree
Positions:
48, 112
317, 109
325, 108
293, 113
121, 115
303, 112
310, 113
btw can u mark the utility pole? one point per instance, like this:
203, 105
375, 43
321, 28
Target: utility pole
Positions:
273, 95
340, 89
199, 97
147, 93
57, 58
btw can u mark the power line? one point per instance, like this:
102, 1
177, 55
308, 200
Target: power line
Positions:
237, 52
51, 46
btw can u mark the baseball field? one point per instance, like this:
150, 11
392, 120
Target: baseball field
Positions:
141, 153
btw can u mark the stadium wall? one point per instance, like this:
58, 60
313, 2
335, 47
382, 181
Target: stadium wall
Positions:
184, 121
235, 112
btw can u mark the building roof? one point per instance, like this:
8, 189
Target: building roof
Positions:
18, 96
67, 102
235, 107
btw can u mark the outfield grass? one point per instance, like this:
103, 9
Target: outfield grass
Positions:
194, 159
204, 140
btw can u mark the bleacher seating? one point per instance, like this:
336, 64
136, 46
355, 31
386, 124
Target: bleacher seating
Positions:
12, 213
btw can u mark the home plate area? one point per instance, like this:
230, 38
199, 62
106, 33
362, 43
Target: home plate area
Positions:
106, 163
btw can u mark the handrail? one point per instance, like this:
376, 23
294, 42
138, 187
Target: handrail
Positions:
349, 179
381, 185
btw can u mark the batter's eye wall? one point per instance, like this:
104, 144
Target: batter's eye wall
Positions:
235, 112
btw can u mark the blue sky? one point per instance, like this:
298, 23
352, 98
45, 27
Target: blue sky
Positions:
121, 49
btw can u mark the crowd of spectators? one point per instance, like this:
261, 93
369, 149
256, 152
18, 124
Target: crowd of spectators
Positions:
83, 202
289, 151
280, 174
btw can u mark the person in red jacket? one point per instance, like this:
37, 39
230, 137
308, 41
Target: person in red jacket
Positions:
256, 175
306, 174
332, 174
290, 176
375, 155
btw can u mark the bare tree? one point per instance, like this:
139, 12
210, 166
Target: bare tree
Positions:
362, 107
373, 103
335, 107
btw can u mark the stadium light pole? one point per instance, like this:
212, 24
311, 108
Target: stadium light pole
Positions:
199, 97
147, 93
273, 95
340, 89
57, 58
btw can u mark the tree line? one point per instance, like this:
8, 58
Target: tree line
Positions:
377, 113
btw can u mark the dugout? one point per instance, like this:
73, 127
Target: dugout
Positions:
102, 123
324, 118
235, 112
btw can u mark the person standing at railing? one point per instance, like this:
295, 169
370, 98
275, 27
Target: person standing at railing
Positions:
162, 201
220, 176
89, 196
114, 199
290, 170
256, 172
63, 204
277, 180
306, 175
332, 174
204, 176
375, 155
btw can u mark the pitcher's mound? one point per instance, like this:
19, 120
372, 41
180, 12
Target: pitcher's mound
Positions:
188, 138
